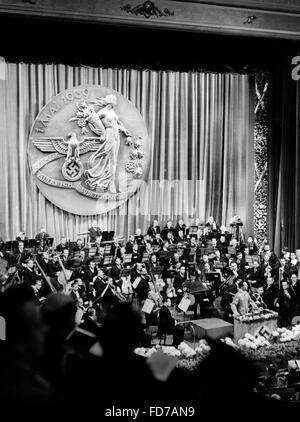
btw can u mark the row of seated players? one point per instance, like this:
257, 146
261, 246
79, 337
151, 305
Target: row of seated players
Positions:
91, 276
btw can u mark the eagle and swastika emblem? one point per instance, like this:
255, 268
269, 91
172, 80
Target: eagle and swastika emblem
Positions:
89, 150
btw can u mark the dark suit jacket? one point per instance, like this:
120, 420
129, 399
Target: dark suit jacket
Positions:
166, 321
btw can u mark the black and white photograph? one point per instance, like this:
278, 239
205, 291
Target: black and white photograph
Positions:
149, 210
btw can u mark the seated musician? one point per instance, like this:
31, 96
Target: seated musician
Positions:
62, 245
205, 260
170, 238
20, 254
51, 268
65, 258
148, 248
255, 275
123, 256
115, 247
158, 240
218, 257
213, 228
94, 231
136, 254
139, 238
79, 246
180, 237
273, 259
252, 246
136, 271
22, 236
223, 244
116, 269
241, 263
167, 324
89, 274
179, 280
242, 303
143, 287
126, 288
233, 271
153, 230
176, 259
130, 244
284, 269
29, 274
42, 234
168, 228
36, 287
152, 264
180, 227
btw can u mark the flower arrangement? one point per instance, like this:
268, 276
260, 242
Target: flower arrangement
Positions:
257, 316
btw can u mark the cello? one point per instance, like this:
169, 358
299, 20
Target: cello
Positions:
65, 275
47, 278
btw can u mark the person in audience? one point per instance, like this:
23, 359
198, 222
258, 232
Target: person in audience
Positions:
22, 385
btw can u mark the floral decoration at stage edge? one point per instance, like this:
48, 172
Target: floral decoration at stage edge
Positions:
87, 148
261, 133
147, 9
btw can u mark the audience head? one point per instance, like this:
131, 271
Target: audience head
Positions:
58, 313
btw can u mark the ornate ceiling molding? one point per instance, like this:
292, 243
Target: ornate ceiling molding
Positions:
166, 14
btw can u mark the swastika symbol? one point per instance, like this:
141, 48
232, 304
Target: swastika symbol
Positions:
72, 169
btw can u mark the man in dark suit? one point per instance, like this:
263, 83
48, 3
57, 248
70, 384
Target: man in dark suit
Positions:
20, 254
167, 324
270, 293
29, 275
130, 244
255, 275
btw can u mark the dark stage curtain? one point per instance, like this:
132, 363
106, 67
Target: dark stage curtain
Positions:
284, 160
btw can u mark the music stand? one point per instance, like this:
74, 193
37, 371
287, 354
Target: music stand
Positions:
172, 248
169, 273
107, 249
107, 259
145, 257
193, 230
256, 258
9, 245
128, 258
220, 265
107, 236
92, 251
214, 278
141, 248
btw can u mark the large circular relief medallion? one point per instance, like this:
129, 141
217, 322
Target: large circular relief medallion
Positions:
89, 150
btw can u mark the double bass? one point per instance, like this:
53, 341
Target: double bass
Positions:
65, 275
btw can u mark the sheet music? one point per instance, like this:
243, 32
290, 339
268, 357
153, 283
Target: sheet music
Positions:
148, 306
136, 282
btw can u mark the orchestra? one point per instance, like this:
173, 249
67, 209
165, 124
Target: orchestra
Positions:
147, 267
